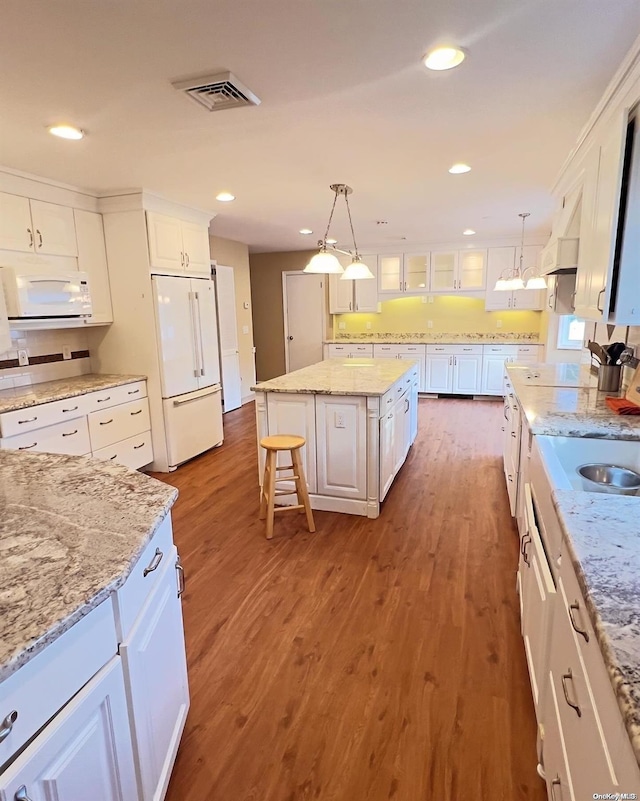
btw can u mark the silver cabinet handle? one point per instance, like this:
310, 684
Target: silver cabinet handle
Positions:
72, 409
106, 422
21, 794
70, 433
115, 456
133, 391
39, 238
187, 258
137, 447
182, 258
405, 286
566, 677
26, 447
7, 724
450, 361
555, 783
103, 400
349, 305
181, 577
576, 606
30, 232
153, 564
134, 413
28, 420
598, 299
513, 434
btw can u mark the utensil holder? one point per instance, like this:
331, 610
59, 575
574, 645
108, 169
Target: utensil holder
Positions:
609, 377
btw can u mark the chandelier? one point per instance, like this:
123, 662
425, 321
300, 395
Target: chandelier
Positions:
512, 280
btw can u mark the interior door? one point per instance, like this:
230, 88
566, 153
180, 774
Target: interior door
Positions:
304, 319
207, 329
228, 332
175, 330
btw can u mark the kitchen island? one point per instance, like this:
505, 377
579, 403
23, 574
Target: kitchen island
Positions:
359, 418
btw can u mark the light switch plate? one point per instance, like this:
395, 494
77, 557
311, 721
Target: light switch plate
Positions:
66, 351
368, 326
342, 325
498, 323
429, 323
245, 329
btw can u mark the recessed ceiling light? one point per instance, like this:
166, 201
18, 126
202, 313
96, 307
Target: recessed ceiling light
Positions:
305, 231
458, 169
225, 197
444, 58
66, 131
332, 241
468, 232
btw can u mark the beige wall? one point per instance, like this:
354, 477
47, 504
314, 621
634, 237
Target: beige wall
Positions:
236, 255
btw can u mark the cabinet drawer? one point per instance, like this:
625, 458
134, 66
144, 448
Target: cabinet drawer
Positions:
106, 398
116, 423
500, 350
134, 452
44, 414
528, 353
454, 350
131, 597
70, 437
384, 351
361, 350
44, 685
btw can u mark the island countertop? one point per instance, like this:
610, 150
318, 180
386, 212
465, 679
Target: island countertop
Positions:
71, 530
341, 377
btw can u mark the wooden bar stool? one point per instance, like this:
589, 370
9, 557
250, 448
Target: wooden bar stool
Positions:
268, 492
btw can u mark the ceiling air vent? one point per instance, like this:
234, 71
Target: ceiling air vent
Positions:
218, 92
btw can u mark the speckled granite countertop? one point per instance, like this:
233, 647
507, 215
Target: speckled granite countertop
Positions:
340, 377
71, 529
602, 535
570, 408
430, 338
22, 397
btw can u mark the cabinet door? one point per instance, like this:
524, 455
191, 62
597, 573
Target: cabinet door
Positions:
165, 243
155, 669
390, 279
529, 299
387, 456
340, 295
92, 259
16, 230
366, 290
499, 261
54, 229
414, 412
472, 268
417, 353
444, 271
84, 752
416, 273
439, 373
195, 246
492, 375
341, 442
293, 413
467, 374
402, 434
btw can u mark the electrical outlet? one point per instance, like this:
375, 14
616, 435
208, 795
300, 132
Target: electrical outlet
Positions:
342, 326
430, 298
66, 351
368, 326
424, 298
498, 323
245, 329
339, 420
429, 323
23, 358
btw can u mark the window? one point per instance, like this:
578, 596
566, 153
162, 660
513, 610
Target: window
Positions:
570, 332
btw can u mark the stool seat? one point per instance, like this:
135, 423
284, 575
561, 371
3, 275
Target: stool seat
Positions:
269, 492
282, 442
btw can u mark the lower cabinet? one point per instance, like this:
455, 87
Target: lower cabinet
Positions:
85, 753
454, 369
293, 413
439, 374
467, 374
341, 444
398, 430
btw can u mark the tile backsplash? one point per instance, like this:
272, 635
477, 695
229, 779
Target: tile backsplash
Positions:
45, 344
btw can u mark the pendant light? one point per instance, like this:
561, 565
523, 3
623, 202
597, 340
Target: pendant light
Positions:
513, 280
324, 261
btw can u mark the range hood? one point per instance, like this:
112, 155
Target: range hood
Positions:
560, 257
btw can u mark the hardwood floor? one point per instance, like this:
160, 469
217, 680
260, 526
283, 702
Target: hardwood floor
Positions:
374, 659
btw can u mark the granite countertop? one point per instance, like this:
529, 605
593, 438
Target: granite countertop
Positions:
572, 409
71, 530
340, 377
61, 388
602, 535
430, 338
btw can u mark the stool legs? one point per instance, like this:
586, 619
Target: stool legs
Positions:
268, 493
268, 490
301, 489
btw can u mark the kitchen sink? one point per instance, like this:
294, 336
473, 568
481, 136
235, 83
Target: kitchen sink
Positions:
562, 456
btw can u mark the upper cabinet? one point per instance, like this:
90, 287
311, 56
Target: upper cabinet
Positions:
458, 271
391, 274
472, 270
177, 247
37, 227
354, 296
444, 271
403, 273
92, 259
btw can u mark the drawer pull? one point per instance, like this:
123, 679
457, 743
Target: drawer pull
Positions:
565, 677
26, 447
133, 391
153, 564
7, 724
555, 783
21, 794
106, 422
70, 433
72, 409
103, 400
181, 578
115, 456
525, 555
28, 420
576, 606
134, 413
137, 447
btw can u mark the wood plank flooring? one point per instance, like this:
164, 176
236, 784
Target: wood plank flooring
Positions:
372, 660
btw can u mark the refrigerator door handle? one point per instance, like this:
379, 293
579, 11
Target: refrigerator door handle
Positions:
194, 334
199, 330
182, 401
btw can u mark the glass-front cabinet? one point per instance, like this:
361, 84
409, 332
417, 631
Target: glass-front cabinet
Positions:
472, 269
416, 272
390, 274
444, 271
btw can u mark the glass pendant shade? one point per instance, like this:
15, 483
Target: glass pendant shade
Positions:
537, 282
515, 283
324, 262
356, 271
502, 286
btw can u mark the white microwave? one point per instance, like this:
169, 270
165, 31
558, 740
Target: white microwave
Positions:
43, 296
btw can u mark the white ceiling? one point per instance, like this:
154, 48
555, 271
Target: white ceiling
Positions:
344, 99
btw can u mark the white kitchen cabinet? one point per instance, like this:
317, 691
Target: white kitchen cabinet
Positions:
500, 261
37, 227
454, 368
511, 448
155, 669
391, 274
472, 270
416, 273
84, 752
340, 295
92, 259
178, 247
351, 351
439, 372
387, 451
467, 373
458, 271
5, 332
294, 413
444, 271
408, 352
493, 361
341, 446
354, 296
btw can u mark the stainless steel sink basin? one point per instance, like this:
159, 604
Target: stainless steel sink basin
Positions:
611, 478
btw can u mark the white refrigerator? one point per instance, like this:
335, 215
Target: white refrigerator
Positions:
189, 365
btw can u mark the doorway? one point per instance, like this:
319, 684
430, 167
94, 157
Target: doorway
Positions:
303, 300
